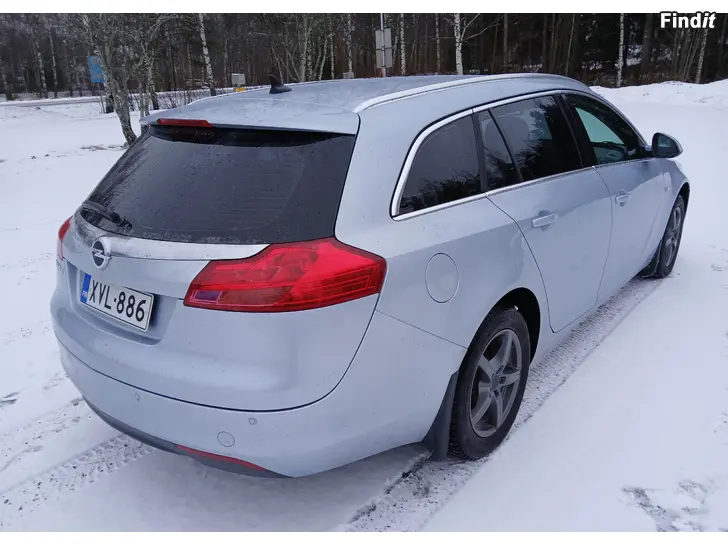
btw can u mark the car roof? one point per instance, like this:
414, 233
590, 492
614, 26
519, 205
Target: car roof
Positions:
329, 105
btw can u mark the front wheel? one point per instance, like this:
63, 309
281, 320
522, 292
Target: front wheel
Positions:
670, 244
490, 386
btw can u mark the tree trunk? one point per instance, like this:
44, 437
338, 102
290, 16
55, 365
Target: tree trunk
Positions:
721, 43
152, 89
402, 47
646, 54
620, 62
41, 71
701, 57
571, 40
349, 53
331, 48
495, 46
438, 42
553, 67
458, 43
121, 103
506, 60
53, 64
544, 43
206, 56
3, 77
67, 65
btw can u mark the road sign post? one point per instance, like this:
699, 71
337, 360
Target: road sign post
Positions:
383, 44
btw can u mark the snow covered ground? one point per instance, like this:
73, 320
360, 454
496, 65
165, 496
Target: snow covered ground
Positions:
624, 427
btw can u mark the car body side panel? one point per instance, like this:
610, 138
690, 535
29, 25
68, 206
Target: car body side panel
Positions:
479, 252
570, 252
634, 221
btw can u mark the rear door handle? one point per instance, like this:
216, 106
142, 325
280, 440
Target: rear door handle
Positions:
623, 197
544, 221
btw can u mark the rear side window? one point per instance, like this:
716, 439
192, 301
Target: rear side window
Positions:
203, 185
445, 168
610, 137
500, 172
539, 137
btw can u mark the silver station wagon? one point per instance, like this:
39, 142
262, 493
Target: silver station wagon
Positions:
290, 279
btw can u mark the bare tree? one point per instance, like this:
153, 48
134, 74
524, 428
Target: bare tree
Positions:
438, 43
701, 57
206, 55
646, 54
506, 60
460, 26
571, 40
120, 41
620, 62
402, 47
349, 31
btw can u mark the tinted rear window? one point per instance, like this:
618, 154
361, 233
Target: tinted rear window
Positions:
203, 185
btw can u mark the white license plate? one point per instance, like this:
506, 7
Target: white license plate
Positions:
122, 303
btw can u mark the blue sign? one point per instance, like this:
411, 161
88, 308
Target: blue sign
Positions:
95, 70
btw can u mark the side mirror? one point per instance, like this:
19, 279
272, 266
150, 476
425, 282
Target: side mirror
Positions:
665, 146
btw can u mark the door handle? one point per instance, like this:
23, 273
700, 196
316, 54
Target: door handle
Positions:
623, 197
544, 221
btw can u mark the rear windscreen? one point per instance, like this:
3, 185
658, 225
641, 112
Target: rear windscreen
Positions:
204, 185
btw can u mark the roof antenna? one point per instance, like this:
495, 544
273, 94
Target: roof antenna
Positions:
276, 86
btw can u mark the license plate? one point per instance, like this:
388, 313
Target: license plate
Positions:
124, 304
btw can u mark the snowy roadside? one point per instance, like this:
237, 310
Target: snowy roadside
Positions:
62, 468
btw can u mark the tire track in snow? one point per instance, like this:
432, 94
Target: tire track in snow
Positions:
412, 499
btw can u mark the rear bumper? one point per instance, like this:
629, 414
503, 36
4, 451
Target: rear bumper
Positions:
389, 397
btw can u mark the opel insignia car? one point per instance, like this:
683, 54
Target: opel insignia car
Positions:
289, 279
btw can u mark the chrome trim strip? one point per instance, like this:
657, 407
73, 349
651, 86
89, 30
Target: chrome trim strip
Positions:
394, 208
150, 249
421, 212
536, 181
399, 188
519, 98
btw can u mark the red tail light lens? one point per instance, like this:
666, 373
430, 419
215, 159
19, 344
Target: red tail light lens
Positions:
289, 277
61, 234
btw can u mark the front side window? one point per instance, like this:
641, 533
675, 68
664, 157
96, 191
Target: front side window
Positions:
445, 168
539, 137
610, 137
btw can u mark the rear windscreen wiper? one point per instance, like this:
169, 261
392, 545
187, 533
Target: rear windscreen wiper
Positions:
111, 216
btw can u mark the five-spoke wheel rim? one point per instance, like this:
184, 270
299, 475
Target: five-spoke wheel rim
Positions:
672, 235
495, 383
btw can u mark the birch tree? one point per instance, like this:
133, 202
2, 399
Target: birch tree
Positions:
460, 26
438, 43
347, 38
701, 57
402, 47
620, 61
119, 40
206, 55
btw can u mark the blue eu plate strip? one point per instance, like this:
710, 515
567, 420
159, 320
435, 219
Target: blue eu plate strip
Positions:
84, 288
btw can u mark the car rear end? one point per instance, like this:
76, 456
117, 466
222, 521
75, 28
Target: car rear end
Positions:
203, 300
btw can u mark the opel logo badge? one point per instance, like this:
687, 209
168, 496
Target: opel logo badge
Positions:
100, 254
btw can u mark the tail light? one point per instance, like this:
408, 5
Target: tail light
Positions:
176, 122
61, 234
289, 277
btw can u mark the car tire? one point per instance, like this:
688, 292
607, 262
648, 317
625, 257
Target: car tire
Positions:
490, 385
670, 243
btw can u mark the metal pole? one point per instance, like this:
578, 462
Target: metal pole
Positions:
384, 47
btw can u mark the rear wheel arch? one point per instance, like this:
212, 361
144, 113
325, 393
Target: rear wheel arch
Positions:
526, 303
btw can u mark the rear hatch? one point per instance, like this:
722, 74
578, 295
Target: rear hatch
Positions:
204, 268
